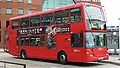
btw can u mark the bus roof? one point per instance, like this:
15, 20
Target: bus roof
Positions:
53, 10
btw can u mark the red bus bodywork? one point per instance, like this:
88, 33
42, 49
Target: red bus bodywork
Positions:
63, 40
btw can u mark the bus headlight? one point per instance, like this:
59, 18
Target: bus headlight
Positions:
87, 53
91, 55
107, 54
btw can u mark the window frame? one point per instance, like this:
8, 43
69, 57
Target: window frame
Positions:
29, 11
46, 16
0, 10
80, 9
7, 23
80, 39
28, 23
20, 1
8, 0
23, 43
29, 1
20, 10
17, 26
38, 24
35, 40
17, 41
63, 15
8, 9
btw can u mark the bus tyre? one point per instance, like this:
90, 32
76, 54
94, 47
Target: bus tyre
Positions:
23, 54
62, 58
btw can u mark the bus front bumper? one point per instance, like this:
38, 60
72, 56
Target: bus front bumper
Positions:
94, 58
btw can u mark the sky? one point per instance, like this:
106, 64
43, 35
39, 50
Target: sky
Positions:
112, 11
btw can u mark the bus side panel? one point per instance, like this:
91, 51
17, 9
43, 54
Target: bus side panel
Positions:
35, 52
73, 54
13, 49
51, 53
12, 41
77, 54
76, 27
63, 43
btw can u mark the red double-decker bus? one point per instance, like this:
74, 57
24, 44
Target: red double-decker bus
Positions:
75, 33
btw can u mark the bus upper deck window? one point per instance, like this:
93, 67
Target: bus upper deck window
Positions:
24, 23
15, 24
47, 19
61, 17
75, 15
35, 21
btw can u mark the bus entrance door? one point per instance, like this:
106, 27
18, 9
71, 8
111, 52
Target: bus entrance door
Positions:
14, 41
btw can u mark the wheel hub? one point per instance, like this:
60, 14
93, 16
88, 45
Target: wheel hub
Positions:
62, 58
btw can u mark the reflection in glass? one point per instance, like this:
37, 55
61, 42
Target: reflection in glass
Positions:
24, 41
95, 18
76, 15
15, 24
35, 41
95, 40
35, 21
24, 23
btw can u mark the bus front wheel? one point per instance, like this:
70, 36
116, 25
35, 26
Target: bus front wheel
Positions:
23, 54
62, 58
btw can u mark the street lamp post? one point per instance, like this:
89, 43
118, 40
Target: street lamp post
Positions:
113, 37
119, 38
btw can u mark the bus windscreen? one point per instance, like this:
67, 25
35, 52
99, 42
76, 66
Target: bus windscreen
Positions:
95, 18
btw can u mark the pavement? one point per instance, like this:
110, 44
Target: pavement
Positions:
1, 50
113, 59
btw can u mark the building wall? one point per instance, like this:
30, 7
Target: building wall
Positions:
15, 5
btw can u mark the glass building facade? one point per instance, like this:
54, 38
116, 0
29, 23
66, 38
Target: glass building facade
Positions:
51, 4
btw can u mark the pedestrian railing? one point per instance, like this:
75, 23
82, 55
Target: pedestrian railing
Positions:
114, 51
5, 63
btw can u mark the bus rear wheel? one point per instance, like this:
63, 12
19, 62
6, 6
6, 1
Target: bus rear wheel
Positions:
62, 58
23, 54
